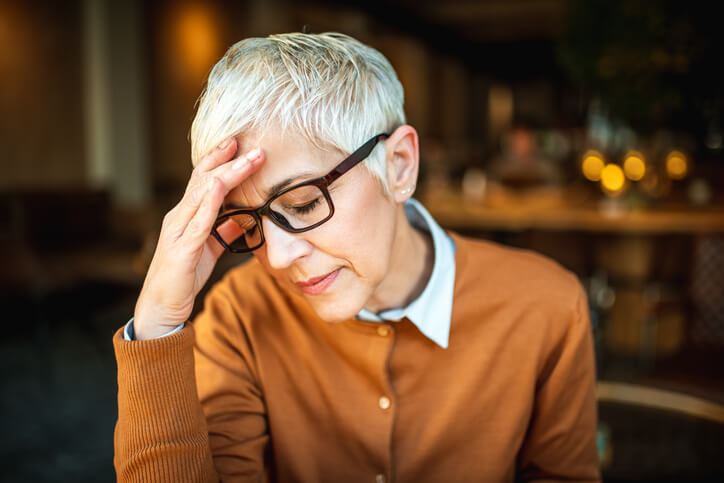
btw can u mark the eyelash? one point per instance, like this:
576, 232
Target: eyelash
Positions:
306, 208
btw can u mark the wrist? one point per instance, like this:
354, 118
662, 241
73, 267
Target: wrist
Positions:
147, 326
155, 332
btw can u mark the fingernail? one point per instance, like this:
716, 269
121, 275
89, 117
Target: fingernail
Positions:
225, 144
250, 156
210, 186
253, 154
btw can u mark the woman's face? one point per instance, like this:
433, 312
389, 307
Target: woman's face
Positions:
338, 265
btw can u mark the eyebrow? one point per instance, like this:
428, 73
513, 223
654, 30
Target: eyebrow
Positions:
275, 189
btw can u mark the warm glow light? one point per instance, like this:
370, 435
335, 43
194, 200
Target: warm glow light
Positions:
17, 28
5, 24
676, 165
592, 165
197, 37
634, 166
612, 178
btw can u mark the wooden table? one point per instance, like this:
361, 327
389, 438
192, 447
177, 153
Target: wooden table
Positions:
554, 210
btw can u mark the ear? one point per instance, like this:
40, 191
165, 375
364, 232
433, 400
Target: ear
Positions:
403, 162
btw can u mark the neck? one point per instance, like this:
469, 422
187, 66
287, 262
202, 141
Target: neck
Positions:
413, 256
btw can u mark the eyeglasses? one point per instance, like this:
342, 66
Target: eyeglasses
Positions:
296, 209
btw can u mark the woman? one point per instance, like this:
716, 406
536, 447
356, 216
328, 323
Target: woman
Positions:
362, 342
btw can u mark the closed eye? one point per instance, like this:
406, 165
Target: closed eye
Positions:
304, 209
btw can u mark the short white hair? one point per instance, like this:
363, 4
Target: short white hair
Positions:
329, 88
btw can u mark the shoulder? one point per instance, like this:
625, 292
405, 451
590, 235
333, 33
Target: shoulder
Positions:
515, 278
510, 268
527, 302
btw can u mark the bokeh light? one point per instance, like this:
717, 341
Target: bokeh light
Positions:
612, 178
677, 166
592, 165
634, 165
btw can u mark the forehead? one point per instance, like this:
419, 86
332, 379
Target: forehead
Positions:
288, 158
279, 145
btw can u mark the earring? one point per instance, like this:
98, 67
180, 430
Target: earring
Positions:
407, 190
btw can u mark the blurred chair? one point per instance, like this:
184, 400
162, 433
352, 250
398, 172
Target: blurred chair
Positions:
53, 243
654, 435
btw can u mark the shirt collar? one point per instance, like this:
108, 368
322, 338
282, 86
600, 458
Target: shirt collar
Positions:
431, 311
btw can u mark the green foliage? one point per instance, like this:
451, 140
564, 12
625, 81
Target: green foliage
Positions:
652, 63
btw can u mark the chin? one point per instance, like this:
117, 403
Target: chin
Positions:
341, 301
332, 315
333, 311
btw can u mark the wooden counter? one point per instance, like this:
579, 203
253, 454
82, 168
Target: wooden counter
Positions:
554, 210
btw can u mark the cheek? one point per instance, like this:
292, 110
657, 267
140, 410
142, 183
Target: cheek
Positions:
362, 230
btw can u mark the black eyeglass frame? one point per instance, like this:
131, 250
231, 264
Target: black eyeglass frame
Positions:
322, 183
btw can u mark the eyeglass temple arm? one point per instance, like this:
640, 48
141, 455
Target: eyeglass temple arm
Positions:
354, 158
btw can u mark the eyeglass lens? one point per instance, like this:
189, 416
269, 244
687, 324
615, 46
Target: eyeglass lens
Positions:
297, 209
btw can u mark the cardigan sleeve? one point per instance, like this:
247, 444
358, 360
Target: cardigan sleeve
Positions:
189, 404
560, 444
161, 432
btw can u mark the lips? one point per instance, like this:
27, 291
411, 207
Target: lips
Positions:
317, 285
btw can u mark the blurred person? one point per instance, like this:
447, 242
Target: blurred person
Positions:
361, 342
520, 165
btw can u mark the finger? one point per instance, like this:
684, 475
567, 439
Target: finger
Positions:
230, 175
221, 154
199, 227
176, 220
216, 248
228, 231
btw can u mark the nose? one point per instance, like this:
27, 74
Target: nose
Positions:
282, 248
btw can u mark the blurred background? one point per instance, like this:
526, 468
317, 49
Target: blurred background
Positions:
588, 130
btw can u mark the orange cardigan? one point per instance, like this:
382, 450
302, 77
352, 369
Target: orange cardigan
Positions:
258, 387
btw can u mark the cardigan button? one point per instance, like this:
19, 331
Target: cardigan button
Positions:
383, 331
385, 402
380, 478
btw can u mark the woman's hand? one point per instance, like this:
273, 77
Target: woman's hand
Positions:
186, 252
